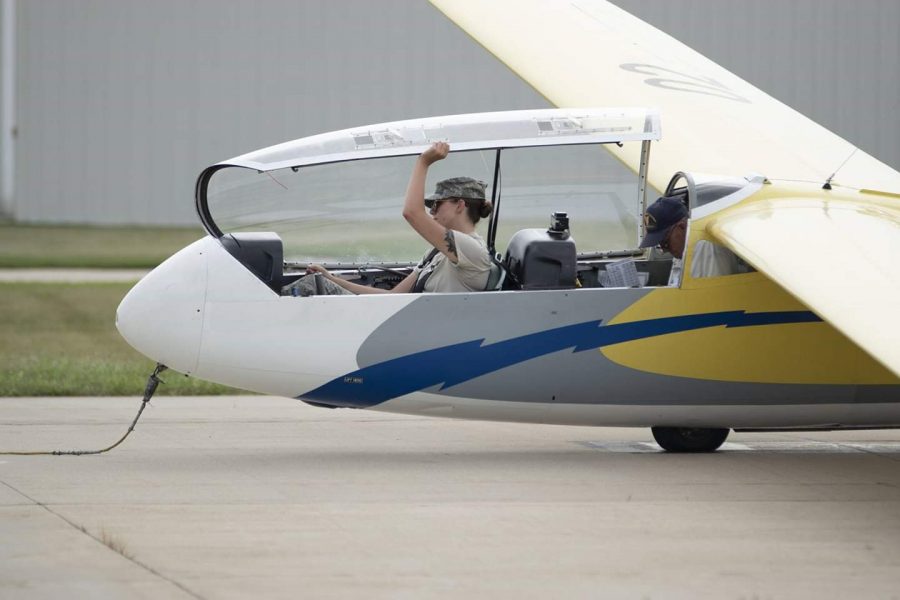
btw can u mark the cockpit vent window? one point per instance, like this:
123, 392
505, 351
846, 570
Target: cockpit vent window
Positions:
559, 126
385, 138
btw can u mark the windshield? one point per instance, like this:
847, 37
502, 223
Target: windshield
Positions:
599, 193
350, 212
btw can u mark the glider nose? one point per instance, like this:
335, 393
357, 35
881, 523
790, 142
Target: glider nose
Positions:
162, 316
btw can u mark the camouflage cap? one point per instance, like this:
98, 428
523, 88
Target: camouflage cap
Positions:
458, 187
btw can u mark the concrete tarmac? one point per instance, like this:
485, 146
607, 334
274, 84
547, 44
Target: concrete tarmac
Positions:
235, 497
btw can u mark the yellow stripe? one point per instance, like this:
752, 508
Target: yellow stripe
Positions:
801, 353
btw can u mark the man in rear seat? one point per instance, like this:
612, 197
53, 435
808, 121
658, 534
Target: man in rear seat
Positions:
665, 222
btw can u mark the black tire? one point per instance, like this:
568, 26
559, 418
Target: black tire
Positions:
689, 439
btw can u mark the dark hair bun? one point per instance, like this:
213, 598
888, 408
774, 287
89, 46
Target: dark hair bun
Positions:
485, 209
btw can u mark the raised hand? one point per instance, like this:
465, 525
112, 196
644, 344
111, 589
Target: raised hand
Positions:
438, 151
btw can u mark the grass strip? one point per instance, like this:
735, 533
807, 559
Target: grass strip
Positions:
70, 246
61, 340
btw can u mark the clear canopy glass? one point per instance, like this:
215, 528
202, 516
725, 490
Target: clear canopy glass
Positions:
338, 197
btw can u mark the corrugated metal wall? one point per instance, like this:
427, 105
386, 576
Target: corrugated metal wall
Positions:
835, 61
122, 102
7, 106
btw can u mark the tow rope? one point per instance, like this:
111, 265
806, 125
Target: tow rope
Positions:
152, 382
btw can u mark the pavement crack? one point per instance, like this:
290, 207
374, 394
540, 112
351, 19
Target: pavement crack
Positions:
869, 451
107, 542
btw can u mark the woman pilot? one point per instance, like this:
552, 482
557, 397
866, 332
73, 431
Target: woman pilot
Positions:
459, 261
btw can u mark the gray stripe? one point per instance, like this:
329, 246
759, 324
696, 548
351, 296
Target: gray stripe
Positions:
434, 321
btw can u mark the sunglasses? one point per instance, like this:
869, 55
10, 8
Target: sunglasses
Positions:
664, 245
435, 205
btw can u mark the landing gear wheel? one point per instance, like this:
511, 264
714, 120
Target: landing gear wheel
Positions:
689, 439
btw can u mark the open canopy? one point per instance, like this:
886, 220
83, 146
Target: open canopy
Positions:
337, 197
509, 129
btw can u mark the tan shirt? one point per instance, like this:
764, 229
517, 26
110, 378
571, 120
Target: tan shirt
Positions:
469, 274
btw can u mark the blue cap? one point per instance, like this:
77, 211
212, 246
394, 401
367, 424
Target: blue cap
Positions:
661, 216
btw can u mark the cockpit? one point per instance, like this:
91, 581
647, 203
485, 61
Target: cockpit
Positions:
567, 210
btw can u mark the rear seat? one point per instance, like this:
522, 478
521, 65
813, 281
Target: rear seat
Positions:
539, 259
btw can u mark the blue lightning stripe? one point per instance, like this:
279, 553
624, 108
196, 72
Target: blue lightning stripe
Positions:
457, 363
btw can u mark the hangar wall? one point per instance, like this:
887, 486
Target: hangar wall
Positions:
120, 103
123, 102
7, 106
832, 60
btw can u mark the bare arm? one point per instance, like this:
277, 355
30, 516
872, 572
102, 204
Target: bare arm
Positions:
407, 285
401, 288
414, 207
